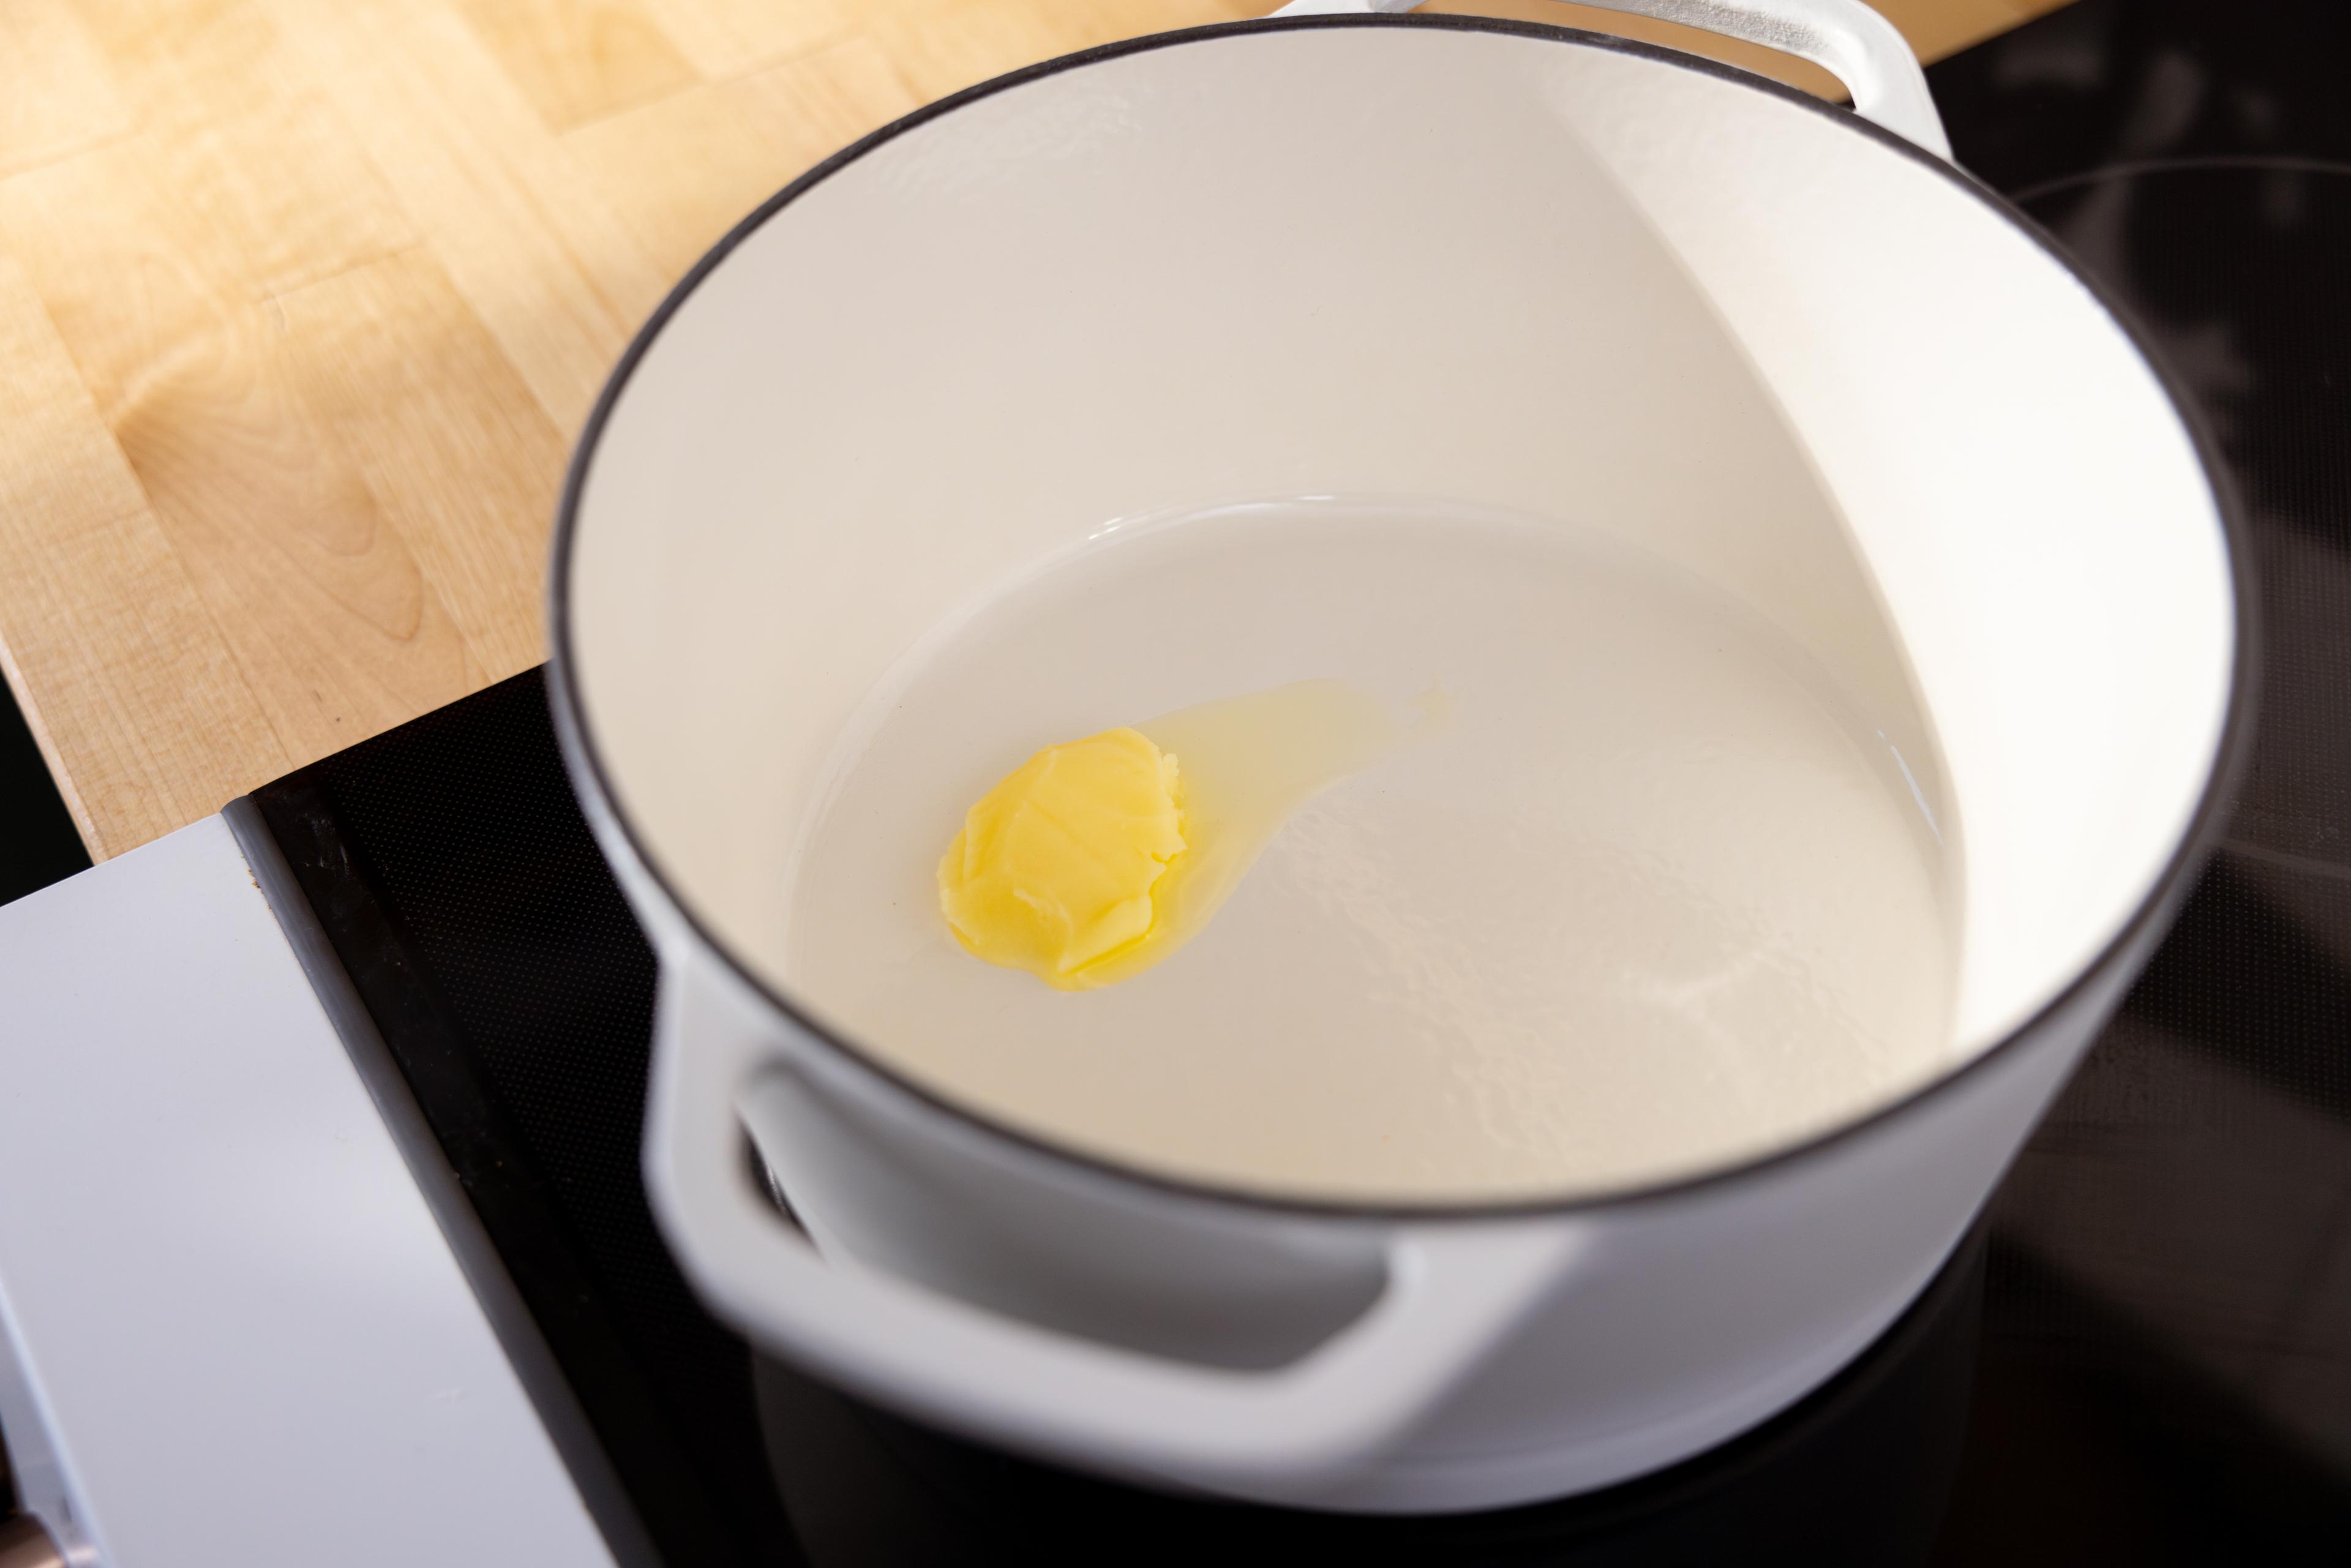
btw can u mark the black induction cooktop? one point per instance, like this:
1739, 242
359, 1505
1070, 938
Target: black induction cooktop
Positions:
2141, 1354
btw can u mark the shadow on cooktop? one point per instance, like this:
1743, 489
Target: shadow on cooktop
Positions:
1857, 1474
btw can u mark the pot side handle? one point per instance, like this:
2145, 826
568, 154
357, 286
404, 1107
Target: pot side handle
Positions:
1844, 38
1453, 1290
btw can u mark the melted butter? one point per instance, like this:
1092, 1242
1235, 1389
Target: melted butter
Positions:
1099, 858
1058, 868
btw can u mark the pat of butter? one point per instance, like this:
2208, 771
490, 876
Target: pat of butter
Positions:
1058, 867
1091, 861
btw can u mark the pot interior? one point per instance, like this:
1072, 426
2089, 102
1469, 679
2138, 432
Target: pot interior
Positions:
1382, 265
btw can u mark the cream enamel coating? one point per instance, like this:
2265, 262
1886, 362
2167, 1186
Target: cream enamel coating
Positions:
1492, 265
1645, 902
1006, 328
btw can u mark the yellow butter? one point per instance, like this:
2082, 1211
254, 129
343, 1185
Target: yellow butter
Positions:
1057, 867
1094, 861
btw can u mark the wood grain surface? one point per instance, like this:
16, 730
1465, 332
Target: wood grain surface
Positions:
302, 300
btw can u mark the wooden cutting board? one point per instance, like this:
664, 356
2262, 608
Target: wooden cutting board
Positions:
301, 302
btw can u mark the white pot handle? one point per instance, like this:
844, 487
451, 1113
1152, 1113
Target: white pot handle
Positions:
1843, 38
1453, 1290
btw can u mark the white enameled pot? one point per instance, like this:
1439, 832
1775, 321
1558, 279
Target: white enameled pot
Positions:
1380, 255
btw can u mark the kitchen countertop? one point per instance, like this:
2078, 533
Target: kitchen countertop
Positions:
301, 302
